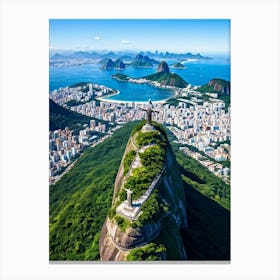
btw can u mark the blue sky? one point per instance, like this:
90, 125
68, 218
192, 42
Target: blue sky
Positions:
205, 36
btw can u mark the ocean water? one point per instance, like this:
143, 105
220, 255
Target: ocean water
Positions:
196, 73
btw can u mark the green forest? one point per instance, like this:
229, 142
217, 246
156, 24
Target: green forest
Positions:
152, 160
80, 202
150, 252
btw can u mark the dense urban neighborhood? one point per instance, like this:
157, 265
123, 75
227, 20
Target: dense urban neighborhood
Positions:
201, 125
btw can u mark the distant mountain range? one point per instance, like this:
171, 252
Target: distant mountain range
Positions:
128, 56
138, 61
110, 64
143, 61
180, 56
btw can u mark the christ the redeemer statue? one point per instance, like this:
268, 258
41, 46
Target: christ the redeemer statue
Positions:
129, 197
149, 112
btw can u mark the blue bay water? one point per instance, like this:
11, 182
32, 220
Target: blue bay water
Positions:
196, 73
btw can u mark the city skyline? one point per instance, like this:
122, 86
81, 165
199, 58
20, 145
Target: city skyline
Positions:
205, 36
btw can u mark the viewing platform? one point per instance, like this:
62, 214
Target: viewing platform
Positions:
148, 128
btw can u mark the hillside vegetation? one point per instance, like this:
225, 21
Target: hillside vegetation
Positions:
170, 79
152, 162
61, 117
80, 202
120, 77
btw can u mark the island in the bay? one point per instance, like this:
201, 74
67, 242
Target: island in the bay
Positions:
178, 65
163, 78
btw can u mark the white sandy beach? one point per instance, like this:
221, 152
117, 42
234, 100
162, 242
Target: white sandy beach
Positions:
103, 99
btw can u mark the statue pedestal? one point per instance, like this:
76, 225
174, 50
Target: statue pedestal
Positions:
147, 128
130, 212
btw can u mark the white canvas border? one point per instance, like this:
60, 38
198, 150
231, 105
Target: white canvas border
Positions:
255, 137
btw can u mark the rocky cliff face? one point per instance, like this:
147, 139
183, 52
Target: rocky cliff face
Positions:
163, 67
220, 85
139, 57
110, 64
119, 64
142, 61
116, 243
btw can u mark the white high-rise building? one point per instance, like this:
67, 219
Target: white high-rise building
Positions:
51, 172
92, 124
90, 88
68, 155
73, 151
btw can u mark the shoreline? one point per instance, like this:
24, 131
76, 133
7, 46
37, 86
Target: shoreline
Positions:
103, 99
190, 60
109, 95
174, 93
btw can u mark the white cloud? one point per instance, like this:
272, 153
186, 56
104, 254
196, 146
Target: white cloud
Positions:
126, 42
52, 48
97, 38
